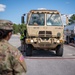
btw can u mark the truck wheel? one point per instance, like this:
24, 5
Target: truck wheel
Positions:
59, 50
28, 50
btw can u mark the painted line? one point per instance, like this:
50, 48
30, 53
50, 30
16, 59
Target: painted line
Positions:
49, 57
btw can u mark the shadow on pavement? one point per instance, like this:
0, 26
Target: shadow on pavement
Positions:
43, 53
39, 53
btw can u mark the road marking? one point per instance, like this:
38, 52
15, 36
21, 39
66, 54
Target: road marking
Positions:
49, 57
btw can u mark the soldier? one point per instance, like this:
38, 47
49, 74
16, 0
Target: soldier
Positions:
11, 60
22, 39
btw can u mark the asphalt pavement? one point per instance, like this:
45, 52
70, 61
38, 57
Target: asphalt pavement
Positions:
50, 66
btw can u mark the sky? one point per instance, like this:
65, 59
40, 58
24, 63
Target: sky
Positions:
13, 9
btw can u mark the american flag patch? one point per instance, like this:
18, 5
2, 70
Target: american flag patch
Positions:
21, 58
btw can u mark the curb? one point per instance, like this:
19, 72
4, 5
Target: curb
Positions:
71, 44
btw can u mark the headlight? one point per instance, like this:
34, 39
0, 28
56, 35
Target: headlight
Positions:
31, 41
58, 41
28, 41
61, 41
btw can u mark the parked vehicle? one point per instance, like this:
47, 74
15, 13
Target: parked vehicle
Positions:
44, 31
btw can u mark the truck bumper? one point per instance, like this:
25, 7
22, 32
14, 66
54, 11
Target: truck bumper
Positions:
45, 45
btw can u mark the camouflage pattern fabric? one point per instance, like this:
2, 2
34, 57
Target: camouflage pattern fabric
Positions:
7, 25
11, 60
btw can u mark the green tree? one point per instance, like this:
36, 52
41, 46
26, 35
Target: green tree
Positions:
15, 28
19, 28
22, 27
72, 19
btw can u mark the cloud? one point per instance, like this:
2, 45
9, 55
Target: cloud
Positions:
67, 2
2, 7
70, 15
41, 8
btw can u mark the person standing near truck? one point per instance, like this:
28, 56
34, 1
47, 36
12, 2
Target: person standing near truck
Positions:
11, 60
22, 39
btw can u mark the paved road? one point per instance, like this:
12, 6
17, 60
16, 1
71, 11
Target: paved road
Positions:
51, 66
46, 64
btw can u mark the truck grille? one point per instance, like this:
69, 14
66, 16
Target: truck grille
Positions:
48, 32
41, 32
45, 34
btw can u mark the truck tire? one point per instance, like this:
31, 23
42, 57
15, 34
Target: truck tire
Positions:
28, 50
59, 50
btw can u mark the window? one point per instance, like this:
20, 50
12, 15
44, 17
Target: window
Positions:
53, 20
37, 19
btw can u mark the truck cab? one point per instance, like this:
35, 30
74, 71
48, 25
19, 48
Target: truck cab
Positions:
44, 31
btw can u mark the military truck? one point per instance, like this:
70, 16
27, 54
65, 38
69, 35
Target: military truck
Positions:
44, 31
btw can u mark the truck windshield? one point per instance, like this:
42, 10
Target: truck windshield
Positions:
37, 19
53, 20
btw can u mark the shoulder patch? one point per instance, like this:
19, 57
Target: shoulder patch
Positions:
21, 58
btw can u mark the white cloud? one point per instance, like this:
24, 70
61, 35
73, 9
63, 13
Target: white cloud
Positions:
70, 15
2, 7
41, 8
67, 2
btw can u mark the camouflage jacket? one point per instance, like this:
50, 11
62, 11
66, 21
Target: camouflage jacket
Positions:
11, 60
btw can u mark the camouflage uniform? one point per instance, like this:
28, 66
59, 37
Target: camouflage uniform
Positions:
11, 60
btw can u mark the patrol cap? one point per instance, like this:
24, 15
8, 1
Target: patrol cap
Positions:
6, 24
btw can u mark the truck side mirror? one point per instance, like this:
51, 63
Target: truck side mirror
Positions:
22, 18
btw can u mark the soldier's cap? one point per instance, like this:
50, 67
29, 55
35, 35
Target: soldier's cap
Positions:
6, 25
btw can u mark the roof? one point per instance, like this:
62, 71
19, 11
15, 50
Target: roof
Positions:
44, 11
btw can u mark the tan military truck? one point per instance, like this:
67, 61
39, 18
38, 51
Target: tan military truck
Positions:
44, 31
